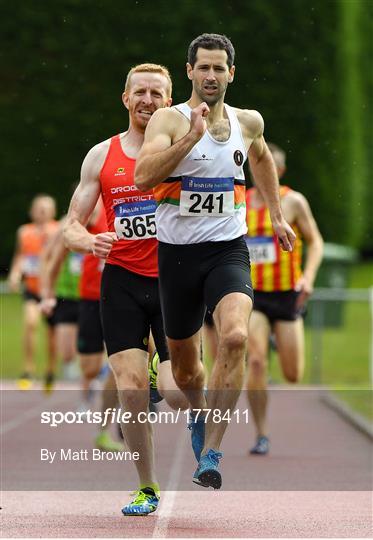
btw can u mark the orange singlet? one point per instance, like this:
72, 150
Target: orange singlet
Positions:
272, 269
90, 280
130, 213
32, 240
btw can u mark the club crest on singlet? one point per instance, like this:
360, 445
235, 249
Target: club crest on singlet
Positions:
209, 197
238, 158
135, 220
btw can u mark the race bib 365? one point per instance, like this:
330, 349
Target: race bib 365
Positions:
135, 220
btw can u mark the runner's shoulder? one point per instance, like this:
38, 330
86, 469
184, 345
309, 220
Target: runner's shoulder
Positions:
251, 121
99, 149
296, 199
167, 116
96, 155
23, 229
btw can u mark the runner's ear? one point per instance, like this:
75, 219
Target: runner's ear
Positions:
231, 73
189, 71
125, 99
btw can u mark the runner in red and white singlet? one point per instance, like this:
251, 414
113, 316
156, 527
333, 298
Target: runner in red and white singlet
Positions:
130, 214
130, 302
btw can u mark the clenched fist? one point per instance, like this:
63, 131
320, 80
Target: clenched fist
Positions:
102, 244
198, 124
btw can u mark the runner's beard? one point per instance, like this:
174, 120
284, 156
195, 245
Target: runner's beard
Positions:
211, 100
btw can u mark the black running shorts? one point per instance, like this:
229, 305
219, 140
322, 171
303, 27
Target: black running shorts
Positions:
130, 308
90, 336
28, 295
277, 305
66, 311
194, 276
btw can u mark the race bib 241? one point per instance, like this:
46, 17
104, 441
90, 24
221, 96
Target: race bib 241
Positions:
208, 197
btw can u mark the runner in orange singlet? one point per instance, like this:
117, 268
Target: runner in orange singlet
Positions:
280, 292
130, 303
25, 267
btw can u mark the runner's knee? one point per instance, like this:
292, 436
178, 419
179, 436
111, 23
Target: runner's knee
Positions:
129, 380
293, 374
257, 365
90, 371
234, 340
184, 375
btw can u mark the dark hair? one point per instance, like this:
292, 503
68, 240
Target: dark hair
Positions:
211, 42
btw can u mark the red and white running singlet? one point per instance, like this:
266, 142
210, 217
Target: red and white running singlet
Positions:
90, 279
130, 213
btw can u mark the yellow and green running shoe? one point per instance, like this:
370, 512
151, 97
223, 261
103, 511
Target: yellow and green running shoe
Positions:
146, 501
155, 396
25, 381
104, 442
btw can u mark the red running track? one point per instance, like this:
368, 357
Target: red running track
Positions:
316, 482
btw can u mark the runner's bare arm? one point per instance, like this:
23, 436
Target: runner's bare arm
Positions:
159, 155
264, 171
51, 261
76, 236
308, 227
15, 272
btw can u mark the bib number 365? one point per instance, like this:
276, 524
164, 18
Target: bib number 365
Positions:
135, 227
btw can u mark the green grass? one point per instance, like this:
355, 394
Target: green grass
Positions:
344, 350
362, 276
11, 319
360, 401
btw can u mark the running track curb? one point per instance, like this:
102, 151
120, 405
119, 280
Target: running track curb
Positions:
348, 414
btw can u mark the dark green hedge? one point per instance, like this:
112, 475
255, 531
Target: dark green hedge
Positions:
304, 65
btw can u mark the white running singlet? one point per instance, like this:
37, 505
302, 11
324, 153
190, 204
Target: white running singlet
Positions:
203, 200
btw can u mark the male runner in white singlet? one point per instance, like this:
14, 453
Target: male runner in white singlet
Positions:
193, 156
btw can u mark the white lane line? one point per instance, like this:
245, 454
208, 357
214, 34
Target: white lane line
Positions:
30, 413
164, 514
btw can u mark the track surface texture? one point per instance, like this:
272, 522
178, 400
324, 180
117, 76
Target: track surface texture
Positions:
316, 481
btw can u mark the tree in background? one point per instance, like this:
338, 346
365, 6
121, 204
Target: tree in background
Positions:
304, 65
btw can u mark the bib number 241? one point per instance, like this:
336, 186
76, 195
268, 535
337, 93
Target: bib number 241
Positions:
210, 197
211, 203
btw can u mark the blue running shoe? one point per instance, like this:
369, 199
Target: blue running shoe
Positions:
207, 474
197, 428
145, 502
262, 446
155, 396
